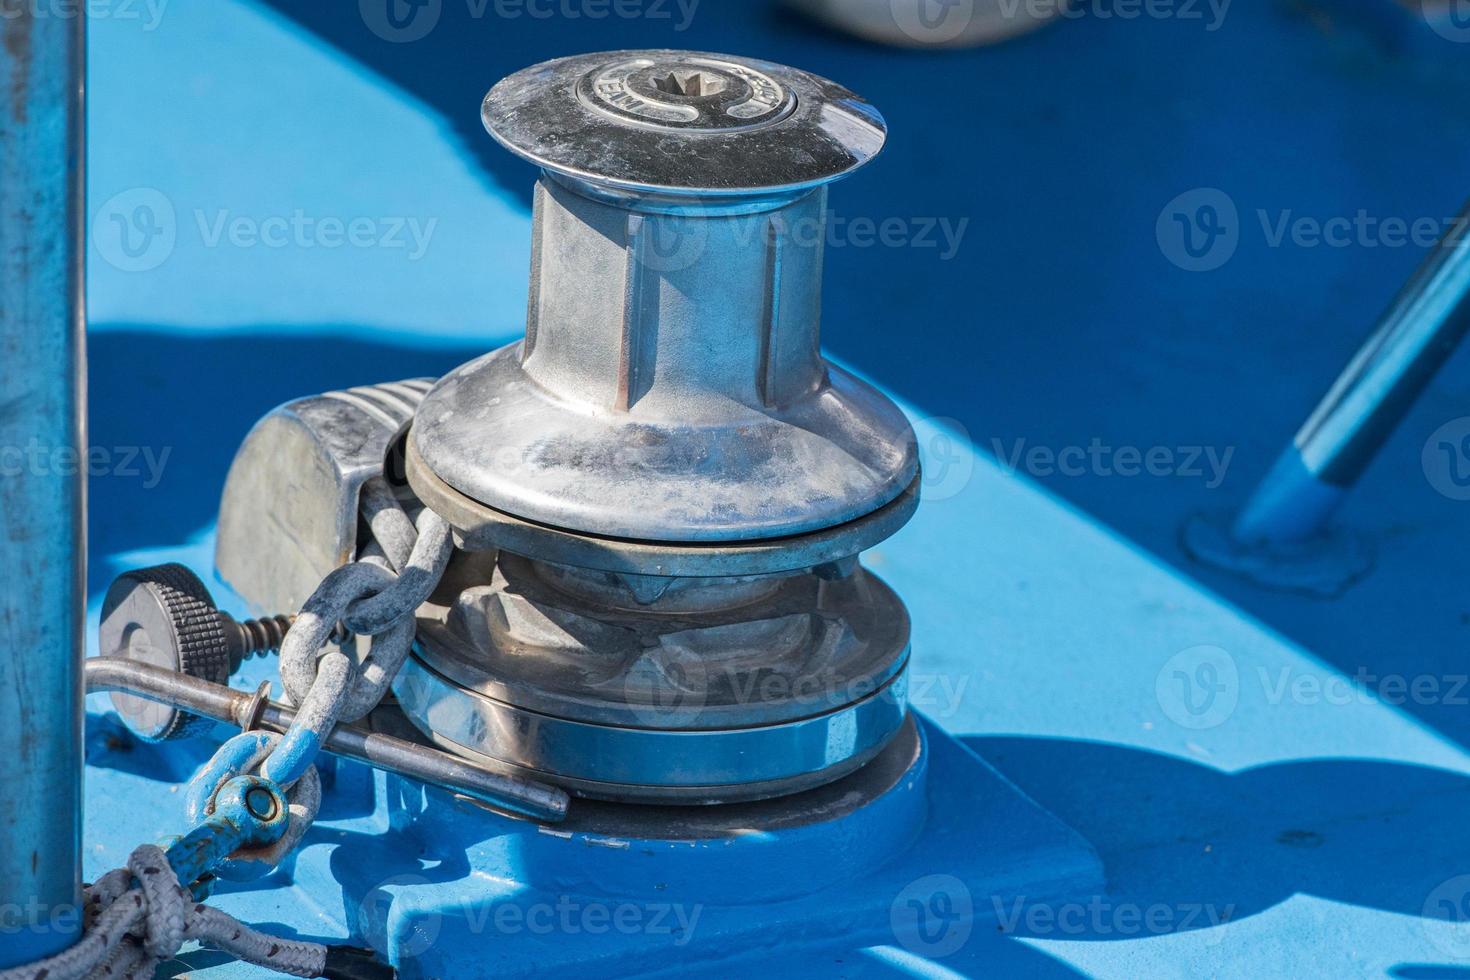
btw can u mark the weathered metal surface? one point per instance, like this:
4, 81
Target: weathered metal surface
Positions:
678, 481
42, 494
683, 122
481, 528
699, 690
289, 513
670, 386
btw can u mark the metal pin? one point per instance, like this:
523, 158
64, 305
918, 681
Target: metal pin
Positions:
249, 711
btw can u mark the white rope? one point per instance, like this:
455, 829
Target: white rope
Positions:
140, 916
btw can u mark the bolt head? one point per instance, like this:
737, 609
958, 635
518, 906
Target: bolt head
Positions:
261, 803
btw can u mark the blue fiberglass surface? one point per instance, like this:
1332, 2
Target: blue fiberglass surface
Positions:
1268, 789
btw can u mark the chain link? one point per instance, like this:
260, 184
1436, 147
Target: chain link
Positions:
374, 597
140, 915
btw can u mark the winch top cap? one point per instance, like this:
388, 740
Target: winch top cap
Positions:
683, 123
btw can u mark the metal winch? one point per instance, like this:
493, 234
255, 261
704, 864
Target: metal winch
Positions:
659, 495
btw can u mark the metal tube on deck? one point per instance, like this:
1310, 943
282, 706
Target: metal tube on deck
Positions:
430, 765
1413, 339
42, 491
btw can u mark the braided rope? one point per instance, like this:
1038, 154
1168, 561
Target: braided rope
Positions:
140, 916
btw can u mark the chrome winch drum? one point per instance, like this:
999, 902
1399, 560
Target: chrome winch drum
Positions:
660, 494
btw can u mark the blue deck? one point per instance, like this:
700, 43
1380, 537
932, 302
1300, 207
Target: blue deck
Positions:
1300, 814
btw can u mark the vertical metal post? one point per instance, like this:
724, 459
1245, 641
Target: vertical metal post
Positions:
1334, 446
42, 481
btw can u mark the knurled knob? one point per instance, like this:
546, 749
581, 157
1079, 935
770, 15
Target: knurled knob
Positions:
165, 616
